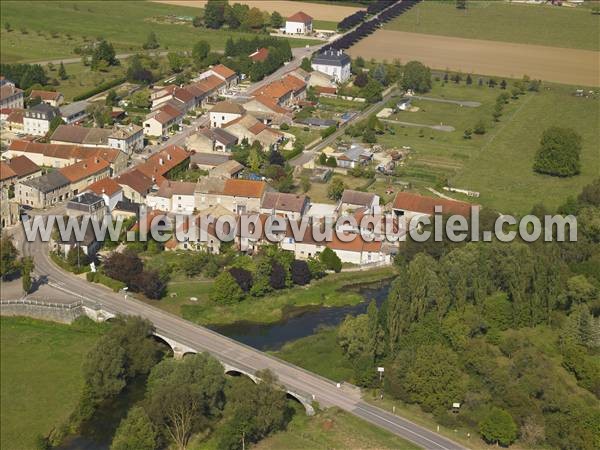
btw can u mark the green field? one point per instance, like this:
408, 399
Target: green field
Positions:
324, 25
501, 21
499, 163
41, 376
53, 29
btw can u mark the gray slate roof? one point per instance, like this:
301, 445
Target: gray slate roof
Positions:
48, 182
332, 58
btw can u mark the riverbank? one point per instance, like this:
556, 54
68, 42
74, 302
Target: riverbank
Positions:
334, 290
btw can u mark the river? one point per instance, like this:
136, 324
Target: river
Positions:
299, 322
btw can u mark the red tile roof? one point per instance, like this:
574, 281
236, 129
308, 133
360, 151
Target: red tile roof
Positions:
160, 163
223, 71
300, 17
45, 95
244, 188
6, 172
259, 55
82, 169
136, 180
20, 166
357, 244
106, 186
210, 83
65, 151
426, 205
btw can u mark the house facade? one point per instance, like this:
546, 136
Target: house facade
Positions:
334, 63
36, 120
44, 191
299, 23
10, 95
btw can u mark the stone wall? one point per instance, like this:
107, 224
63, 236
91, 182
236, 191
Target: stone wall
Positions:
43, 310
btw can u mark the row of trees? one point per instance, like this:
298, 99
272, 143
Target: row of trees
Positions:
273, 269
237, 52
463, 323
25, 75
218, 13
12, 266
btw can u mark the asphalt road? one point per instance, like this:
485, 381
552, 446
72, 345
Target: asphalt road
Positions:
229, 351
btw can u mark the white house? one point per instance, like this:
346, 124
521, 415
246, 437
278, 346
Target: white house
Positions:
334, 63
36, 120
225, 112
127, 138
159, 122
173, 196
10, 95
109, 190
299, 23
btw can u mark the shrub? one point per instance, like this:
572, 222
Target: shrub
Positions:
558, 154
330, 260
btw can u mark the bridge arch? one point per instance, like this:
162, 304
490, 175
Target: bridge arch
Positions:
231, 370
307, 403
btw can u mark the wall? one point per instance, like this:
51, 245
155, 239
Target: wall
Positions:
57, 312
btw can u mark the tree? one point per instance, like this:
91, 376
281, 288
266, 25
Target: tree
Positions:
253, 411
149, 283
26, 269
353, 335
467, 134
254, 19
214, 12
137, 73
497, 113
461, 4
469, 80
503, 84
151, 42
76, 257
336, 189
200, 51
305, 183
277, 20
7, 27
62, 72
8, 257
380, 74
416, 77
122, 266
330, 260
103, 52
135, 432
242, 277
361, 79
579, 289
559, 151
54, 123
111, 98
498, 427
185, 396
372, 91
278, 276
300, 272
176, 61
590, 194
197, 21
226, 290
479, 127
141, 99
306, 65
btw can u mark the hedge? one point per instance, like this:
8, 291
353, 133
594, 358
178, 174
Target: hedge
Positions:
100, 88
97, 277
59, 261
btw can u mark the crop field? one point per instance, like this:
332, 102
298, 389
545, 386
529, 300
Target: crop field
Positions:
568, 66
42, 31
319, 11
525, 24
498, 164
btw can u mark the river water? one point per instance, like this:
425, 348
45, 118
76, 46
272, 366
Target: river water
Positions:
301, 322
298, 323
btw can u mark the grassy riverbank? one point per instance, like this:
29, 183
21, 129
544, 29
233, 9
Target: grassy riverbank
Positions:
41, 375
333, 290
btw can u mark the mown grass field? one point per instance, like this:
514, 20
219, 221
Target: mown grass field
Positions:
499, 163
41, 376
501, 21
53, 29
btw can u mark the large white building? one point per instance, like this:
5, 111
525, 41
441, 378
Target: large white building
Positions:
224, 112
36, 120
334, 63
299, 23
10, 95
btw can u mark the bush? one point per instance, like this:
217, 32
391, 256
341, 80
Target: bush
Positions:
98, 277
328, 131
100, 88
301, 274
558, 154
330, 260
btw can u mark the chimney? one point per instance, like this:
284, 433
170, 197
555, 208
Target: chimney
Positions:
169, 157
103, 191
161, 161
85, 165
97, 160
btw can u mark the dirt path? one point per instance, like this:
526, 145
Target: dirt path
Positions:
446, 128
318, 11
560, 65
467, 103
